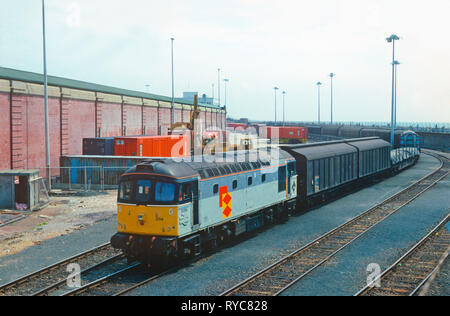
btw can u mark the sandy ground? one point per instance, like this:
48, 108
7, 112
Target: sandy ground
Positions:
64, 214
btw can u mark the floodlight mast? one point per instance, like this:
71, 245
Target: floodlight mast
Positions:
392, 40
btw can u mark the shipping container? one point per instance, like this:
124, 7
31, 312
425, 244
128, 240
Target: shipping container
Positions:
153, 146
99, 146
237, 126
286, 134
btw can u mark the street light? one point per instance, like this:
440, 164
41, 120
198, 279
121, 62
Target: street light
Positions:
226, 80
331, 76
275, 89
318, 88
284, 111
47, 134
392, 40
173, 89
218, 88
148, 88
396, 63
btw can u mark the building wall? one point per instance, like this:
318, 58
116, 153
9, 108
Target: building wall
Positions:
186, 115
150, 120
132, 120
78, 122
73, 115
109, 119
27, 130
178, 115
164, 120
5, 132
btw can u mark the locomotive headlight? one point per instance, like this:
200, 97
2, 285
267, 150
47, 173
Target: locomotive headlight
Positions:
140, 218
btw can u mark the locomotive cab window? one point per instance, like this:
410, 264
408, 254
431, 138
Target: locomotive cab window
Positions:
126, 191
234, 184
185, 192
143, 191
165, 192
216, 189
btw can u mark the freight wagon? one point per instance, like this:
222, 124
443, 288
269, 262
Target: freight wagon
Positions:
153, 146
168, 211
285, 134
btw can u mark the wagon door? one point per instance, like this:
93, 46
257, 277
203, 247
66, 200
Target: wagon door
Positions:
195, 207
291, 180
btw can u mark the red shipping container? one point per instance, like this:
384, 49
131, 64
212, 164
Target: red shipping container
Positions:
237, 126
153, 146
285, 133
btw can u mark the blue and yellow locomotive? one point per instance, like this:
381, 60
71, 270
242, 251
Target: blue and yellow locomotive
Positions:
168, 210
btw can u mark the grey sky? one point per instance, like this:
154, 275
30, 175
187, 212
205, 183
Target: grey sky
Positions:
258, 44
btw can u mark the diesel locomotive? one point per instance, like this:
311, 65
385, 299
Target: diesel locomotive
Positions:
169, 210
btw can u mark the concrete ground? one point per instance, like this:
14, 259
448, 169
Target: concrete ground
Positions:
221, 270
347, 272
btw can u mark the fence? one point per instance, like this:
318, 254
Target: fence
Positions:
88, 178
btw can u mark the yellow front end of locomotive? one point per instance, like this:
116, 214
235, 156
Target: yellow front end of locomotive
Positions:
147, 220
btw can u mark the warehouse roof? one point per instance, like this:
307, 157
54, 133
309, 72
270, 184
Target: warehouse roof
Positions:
19, 75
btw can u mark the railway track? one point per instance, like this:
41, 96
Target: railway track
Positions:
124, 281
112, 283
271, 281
46, 280
409, 274
286, 272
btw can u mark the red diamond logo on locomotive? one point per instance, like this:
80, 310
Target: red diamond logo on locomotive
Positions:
225, 201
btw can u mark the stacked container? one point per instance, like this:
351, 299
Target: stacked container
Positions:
99, 146
153, 146
285, 134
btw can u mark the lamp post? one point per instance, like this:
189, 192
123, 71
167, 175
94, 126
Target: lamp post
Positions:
275, 89
331, 76
47, 134
226, 80
173, 89
213, 93
396, 63
392, 40
218, 81
318, 101
284, 111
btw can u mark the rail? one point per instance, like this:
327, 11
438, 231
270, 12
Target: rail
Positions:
409, 273
288, 271
36, 281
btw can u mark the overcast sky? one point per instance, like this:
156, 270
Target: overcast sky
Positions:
258, 44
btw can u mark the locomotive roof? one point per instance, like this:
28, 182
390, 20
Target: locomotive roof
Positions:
210, 166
